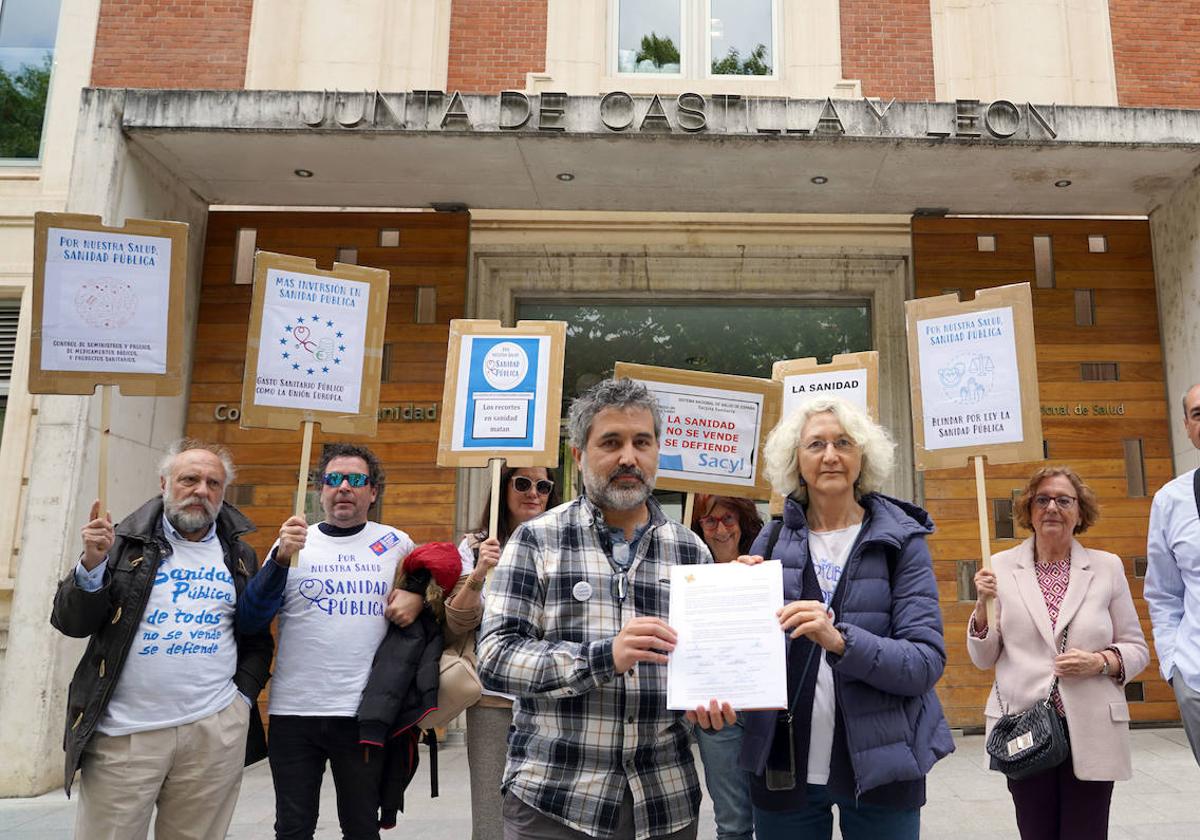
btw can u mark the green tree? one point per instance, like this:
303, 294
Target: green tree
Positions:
23, 108
660, 51
732, 64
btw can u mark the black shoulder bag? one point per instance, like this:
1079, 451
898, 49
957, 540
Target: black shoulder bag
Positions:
1029, 742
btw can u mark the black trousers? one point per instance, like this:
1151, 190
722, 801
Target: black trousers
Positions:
1056, 805
298, 749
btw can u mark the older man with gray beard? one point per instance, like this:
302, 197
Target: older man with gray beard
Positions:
574, 627
162, 701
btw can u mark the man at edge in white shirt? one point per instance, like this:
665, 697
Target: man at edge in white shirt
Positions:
1172, 588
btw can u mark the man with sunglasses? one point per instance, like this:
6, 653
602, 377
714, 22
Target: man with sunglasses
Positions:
1173, 580
329, 584
574, 626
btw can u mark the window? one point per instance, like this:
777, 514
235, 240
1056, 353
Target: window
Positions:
965, 578
27, 31
10, 311
1085, 308
740, 38
744, 338
649, 36
1099, 372
1043, 262
694, 38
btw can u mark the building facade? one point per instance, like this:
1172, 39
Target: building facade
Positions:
712, 184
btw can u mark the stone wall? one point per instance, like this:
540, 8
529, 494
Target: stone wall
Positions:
1174, 228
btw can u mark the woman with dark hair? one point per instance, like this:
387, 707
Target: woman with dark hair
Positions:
728, 527
527, 492
1053, 594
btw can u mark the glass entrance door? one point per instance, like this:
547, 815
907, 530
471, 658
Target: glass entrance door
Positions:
740, 337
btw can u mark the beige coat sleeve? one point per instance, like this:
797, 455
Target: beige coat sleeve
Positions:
460, 622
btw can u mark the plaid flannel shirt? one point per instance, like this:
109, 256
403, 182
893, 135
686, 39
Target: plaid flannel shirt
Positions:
582, 732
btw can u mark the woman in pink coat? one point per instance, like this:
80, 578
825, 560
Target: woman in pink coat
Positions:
1045, 585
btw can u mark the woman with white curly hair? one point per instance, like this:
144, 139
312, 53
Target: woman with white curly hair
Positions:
863, 724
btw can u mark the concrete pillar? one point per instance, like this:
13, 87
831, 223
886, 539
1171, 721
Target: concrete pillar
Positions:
1175, 230
115, 180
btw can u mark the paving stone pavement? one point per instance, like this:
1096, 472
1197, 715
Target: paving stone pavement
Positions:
965, 800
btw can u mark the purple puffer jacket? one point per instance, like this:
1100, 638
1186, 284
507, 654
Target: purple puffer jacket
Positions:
886, 606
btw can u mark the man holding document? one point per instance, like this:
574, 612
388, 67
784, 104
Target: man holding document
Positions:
574, 627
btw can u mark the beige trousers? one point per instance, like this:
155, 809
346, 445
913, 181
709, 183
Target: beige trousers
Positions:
191, 772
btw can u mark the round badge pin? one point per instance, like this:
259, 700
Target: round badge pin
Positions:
582, 590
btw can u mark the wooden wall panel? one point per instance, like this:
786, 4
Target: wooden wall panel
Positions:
946, 257
419, 496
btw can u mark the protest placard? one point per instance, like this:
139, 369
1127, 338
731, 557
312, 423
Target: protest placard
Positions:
502, 401
107, 310
853, 377
973, 370
107, 305
713, 429
314, 350
973, 367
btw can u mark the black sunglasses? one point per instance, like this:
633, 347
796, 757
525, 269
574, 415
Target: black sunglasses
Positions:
522, 484
335, 479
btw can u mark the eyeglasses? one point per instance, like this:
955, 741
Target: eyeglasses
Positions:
841, 446
709, 523
335, 479
522, 484
1063, 502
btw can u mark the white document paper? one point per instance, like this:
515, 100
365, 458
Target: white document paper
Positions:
730, 647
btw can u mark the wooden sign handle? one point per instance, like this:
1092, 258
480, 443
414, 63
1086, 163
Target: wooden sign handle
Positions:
305, 456
494, 466
689, 503
105, 436
985, 542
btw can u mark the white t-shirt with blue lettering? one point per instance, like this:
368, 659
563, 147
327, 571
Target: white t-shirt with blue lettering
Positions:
180, 667
828, 551
332, 620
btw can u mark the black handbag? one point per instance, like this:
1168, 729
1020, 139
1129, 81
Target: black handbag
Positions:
1029, 742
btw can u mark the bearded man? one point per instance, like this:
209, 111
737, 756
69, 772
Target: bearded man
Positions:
574, 626
162, 701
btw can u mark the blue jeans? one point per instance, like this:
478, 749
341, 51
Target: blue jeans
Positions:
815, 820
728, 785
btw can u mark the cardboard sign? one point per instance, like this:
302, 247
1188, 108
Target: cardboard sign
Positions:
503, 394
315, 346
973, 368
107, 305
853, 377
714, 426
